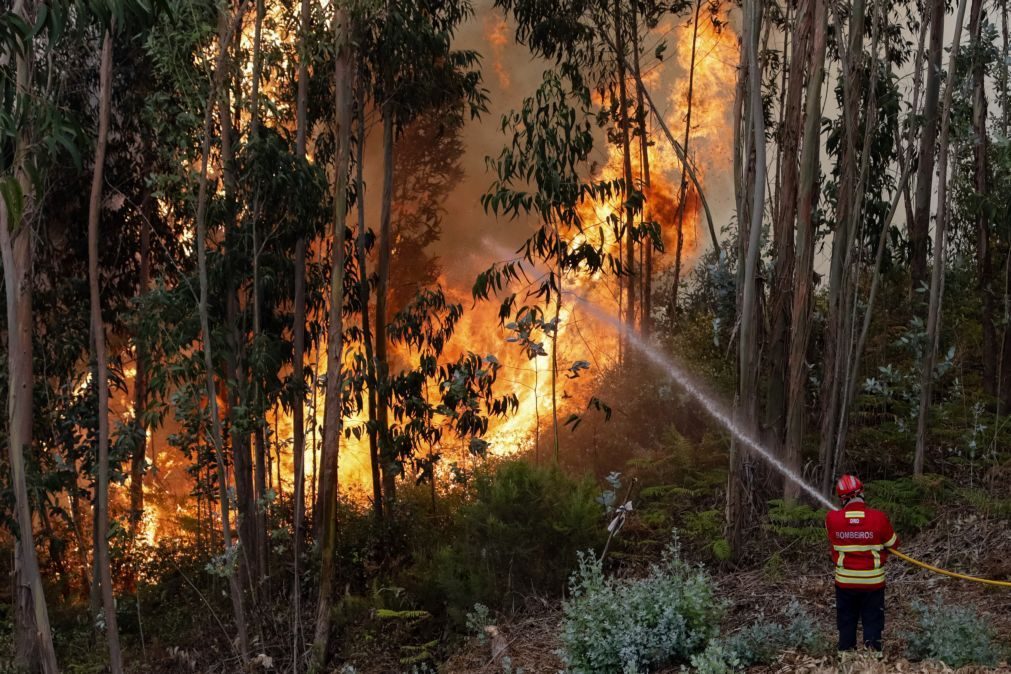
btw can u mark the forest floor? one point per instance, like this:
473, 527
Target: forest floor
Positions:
958, 541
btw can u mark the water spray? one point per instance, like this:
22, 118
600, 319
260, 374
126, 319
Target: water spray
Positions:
715, 409
725, 419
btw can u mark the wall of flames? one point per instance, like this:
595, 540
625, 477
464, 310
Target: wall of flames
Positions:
473, 240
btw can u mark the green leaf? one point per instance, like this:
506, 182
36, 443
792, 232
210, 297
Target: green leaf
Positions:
14, 199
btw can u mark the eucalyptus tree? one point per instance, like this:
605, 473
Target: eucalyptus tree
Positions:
99, 350
344, 36
750, 183
919, 228
940, 244
32, 129
228, 25
807, 195
410, 59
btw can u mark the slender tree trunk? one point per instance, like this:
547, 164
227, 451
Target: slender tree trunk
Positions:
837, 345
984, 256
1004, 365
556, 430
851, 271
298, 357
138, 459
259, 404
391, 463
747, 398
333, 409
235, 356
646, 313
33, 638
937, 273
781, 353
363, 297
228, 27
683, 194
101, 359
626, 150
919, 229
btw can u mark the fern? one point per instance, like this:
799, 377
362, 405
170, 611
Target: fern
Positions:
911, 503
796, 521
390, 614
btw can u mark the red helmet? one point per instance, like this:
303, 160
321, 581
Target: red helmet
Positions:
848, 486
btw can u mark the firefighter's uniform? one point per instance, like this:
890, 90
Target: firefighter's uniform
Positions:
860, 538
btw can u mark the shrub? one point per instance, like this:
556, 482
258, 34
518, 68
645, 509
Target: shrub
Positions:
519, 536
716, 659
762, 641
637, 625
955, 635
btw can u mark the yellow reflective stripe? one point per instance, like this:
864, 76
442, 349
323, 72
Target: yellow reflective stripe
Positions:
892, 540
857, 548
855, 513
859, 581
842, 556
877, 559
861, 573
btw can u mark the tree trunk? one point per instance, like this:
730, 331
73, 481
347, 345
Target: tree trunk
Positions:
646, 313
919, 229
747, 398
226, 33
984, 264
1004, 365
683, 194
626, 149
391, 463
101, 359
298, 357
363, 297
556, 431
138, 459
847, 358
33, 638
333, 407
799, 199
261, 469
781, 356
937, 273
841, 279
235, 356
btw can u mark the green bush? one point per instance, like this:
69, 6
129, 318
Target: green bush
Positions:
637, 625
955, 635
519, 536
718, 658
761, 642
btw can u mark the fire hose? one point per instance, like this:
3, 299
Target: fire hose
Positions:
945, 572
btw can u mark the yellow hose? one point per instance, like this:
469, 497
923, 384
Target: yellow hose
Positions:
943, 572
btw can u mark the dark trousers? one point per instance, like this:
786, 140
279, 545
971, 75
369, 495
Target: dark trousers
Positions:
866, 606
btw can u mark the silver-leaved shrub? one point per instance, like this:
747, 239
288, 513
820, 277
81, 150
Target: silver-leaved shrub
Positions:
954, 635
631, 626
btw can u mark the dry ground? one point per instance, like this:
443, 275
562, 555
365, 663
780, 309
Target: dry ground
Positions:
961, 542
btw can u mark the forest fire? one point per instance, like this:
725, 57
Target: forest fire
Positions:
399, 324
169, 488
580, 336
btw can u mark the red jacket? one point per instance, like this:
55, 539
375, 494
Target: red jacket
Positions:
860, 538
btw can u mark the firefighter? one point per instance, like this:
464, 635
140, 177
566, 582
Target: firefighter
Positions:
860, 538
